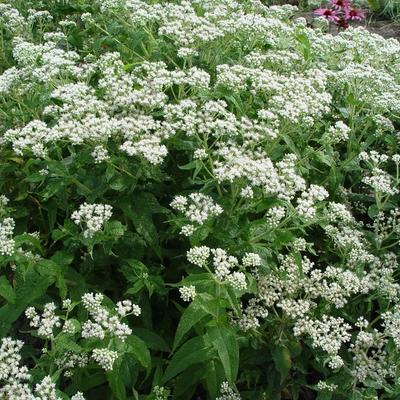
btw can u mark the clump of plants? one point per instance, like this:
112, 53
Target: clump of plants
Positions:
198, 200
340, 13
386, 8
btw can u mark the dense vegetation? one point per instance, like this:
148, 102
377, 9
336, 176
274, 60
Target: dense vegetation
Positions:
199, 199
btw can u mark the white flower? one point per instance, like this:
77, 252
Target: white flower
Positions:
7, 243
104, 323
251, 260
105, 358
339, 132
223, 263
100, 154
78, 396
46, 323
92, 217
46, 389
187, 293
200, 154
188, 230
198, 255
227, 393
197, 207
237, 280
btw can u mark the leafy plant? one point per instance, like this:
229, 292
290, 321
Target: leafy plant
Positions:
199, 199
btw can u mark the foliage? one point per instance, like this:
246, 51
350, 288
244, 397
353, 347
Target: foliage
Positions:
199, 199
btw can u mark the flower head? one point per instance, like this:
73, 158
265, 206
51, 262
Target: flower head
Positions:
354, 14
340, 4
327, 13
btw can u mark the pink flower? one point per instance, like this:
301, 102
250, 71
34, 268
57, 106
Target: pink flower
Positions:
354, 14
327, 13
340, 4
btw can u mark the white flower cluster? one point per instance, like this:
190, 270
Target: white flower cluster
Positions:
68, 361
11, 19
103, 323
381, 182
4, 200
7, 243
306, 203
329, 334
105, 358
14, 378
46, 389
252, 314
275, 215
11, 373
370, 358
78, 396
199, 255
387, 227
339, 213
39, 63
285, 287
92, 217
227, 393
251, 260
188, 293
126, 307
160, 392
224, 264
197, 208
45, 323
338, 133
100, 154
326, 387
391, 323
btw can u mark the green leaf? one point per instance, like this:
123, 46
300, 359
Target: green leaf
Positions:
152, 340
139, 210
65, 343
214, 376
191, 165
233, 300
282, 360
6, 290
29, 285
115, 229
324, 396
194, 351
52, 269
204, 279
139, 350
114, 379
211, 305
187, 381
223, 339
191, 316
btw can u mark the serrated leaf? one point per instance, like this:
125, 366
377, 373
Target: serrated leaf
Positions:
223, 339
214, 376
65, 343
152, 340
194, 351
282, 360
138, 348
211, 305
6, 290
139, 211
114, 379
191, 316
